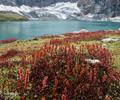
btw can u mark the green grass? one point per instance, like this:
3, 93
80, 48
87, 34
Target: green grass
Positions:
10, 16
115, 50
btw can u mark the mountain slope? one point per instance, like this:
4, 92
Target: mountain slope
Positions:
56, 11
62, 9
10, 16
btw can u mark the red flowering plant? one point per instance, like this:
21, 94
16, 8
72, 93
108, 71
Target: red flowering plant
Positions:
83, 36
8, 40
70, 73
5, 58
57, 41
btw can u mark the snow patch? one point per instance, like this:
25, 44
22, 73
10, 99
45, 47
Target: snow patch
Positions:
60, 10
18, 10
115, 19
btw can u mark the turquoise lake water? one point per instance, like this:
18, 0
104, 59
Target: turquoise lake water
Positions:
29, 29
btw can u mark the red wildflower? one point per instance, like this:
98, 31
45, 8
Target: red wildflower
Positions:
44, 82
63, 97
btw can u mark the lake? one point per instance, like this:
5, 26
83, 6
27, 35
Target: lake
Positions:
29, 29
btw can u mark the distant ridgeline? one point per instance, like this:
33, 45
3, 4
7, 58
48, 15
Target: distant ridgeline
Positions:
111, 8
39, 3
98, 9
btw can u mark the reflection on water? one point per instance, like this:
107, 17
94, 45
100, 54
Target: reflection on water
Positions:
25, 30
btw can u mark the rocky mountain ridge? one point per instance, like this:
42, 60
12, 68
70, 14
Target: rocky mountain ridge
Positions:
63, 9
38, 3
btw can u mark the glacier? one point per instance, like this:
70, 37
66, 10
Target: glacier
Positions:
62, 10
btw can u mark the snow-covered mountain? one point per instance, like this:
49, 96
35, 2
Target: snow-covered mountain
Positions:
62, 10
55, 11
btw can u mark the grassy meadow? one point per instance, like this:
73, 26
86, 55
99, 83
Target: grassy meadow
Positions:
10, 16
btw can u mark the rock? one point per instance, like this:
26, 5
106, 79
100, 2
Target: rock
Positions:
110, 40
35, 38
92, 61
82, 30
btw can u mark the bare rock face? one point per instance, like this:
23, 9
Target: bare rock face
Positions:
102, 8
8, 2
39, 3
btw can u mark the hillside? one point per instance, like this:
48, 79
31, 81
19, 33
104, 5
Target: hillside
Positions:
11, 16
